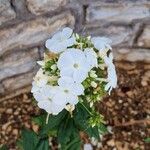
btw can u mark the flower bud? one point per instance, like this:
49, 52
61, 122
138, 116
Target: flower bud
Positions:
54, 67
93, 84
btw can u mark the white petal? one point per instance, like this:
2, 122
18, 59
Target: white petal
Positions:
57, 108
57, 36
65, 60
77, 89
67, 32
67, 72
72, 99
87, 147
46, 105
65, 80
69, 42
91, 57
60, 98
80, 75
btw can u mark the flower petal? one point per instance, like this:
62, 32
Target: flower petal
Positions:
67, 32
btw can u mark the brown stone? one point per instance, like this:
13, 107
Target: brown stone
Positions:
117, 12
18, 62
34, 32
144, 39
42, 6
6, 12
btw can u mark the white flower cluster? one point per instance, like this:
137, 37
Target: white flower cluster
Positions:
74, 64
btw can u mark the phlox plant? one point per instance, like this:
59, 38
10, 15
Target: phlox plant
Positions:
72, 78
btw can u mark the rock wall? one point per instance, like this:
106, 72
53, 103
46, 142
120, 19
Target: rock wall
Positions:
26, 24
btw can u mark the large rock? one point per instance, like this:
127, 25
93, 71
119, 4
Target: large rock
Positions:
6, 12
18, 82
132, 55
42, 6
117, 12
118, 34
144, 39
18, 62
34, 32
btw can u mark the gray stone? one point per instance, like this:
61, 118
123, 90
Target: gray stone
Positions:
42, 6
132, 55
18, 63
117, 12
6, 12
34, 32
118, 34
18, 82
144, 39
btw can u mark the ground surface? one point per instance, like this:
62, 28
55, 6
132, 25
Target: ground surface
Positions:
127, 111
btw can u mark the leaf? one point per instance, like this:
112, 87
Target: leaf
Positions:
29, 140
74, 145
20, 144
3, 147
80, 117
43, 145
147, 140
67, 132
93, 132
102, 129
40, 120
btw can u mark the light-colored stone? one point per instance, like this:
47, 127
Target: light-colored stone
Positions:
132, 55
34, 32
42, 6
18, 82
117, 12
118, 34
6, 12
18, 63
144, 39
7, 95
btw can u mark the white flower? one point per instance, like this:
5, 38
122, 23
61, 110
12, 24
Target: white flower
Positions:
87, 147
61, 40
91, 57
102, 44
69, 90
45, 100
112, 77
40, 80
73, 63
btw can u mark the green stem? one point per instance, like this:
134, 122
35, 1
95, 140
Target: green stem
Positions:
86, 108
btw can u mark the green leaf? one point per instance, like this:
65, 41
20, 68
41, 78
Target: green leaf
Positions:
67, 132
43, 145
29, 139
53, 122
40, 120
93, 132
147, 140
102, 129
3, 147
74, 145
20, 144
80, 117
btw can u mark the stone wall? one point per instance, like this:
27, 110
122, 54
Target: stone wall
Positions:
26, 24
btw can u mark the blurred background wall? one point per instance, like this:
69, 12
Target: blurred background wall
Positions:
26, 24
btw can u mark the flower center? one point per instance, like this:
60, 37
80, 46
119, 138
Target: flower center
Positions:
66, 91
76, 66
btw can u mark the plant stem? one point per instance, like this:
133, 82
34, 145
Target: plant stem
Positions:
86, 108
47, 118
